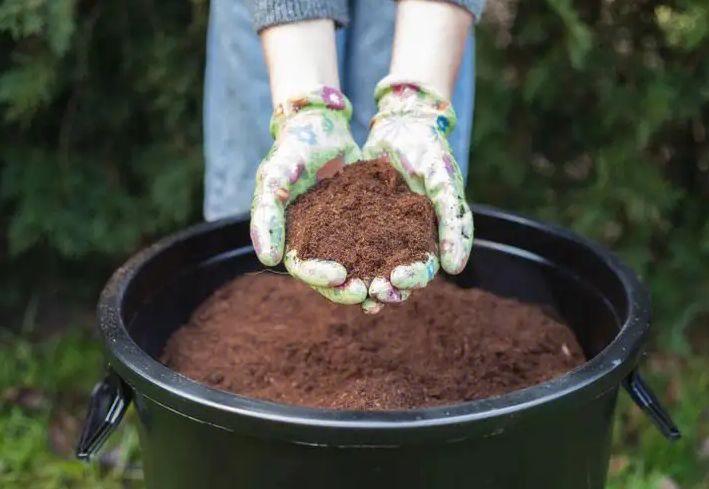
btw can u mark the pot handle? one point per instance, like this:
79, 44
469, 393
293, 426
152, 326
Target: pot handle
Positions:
643, 396
109, 402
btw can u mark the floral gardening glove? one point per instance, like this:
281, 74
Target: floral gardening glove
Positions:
410, 129
312, 141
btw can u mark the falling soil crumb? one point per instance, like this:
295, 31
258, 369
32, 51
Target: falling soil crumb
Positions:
365, 218
270, 337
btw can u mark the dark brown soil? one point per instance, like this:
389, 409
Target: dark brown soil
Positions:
365, 218
271, 337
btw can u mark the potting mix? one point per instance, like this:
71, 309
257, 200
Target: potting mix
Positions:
364, 218
271, 337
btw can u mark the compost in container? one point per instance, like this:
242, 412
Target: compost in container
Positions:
271, 337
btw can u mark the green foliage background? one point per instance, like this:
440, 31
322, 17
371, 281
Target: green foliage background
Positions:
595, 115
100, 138
592, 114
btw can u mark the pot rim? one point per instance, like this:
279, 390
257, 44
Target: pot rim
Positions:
226, 410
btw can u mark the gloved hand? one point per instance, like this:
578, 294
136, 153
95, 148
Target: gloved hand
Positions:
410, 129
312, 140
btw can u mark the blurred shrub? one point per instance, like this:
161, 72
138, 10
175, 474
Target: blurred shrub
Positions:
589, 113
594, 114
100, 132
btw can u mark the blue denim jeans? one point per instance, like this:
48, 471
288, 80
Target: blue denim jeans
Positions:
237, 101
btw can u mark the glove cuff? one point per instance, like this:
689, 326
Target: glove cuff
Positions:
321, 98
396, 95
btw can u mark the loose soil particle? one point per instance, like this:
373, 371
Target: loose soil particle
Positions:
365, 218
270, 337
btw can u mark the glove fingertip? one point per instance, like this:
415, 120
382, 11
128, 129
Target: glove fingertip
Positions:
456, 241
382, 290
454, 256
354, 291
268, 253
270, 257
318, 273
416, 275
370, 306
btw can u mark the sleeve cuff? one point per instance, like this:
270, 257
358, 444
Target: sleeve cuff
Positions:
266, 13
475, 7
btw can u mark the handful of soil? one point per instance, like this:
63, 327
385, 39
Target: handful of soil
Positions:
365, 218
270, 337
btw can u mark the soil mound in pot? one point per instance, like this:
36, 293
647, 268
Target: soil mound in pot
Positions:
271, 337
366, 218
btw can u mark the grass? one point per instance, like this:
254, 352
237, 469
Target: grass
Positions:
43, 390
44, 385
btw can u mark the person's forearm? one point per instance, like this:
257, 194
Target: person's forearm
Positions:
428, 42
300, 56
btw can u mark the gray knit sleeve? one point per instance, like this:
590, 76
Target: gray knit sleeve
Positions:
475, 6
266, 13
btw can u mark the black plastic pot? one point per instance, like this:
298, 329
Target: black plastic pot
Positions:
554, 435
